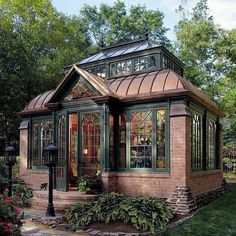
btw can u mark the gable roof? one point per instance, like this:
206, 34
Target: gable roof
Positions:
155, 85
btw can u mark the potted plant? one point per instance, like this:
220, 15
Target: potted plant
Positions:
90, 184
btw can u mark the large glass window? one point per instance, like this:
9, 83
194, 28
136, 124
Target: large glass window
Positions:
196, 141
145, 63
41, 138
211, 147
141, 127
91, 144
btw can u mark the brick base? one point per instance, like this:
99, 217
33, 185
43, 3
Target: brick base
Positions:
206, 198
182, 201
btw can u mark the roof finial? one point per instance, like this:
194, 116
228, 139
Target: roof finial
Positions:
102, 44
146, 31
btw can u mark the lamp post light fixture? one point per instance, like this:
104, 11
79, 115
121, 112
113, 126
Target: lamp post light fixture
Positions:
50, 159
10, 160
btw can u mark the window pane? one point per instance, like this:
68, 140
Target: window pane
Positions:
211, 164
196, 141
121, 68
35, 144
61, 147
122, 125
145, 63
91, 144
73, 147
46, 136
141, 140
111, 143
161, 126
100, 71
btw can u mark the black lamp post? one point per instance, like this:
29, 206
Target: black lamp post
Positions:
50, 159
10, 160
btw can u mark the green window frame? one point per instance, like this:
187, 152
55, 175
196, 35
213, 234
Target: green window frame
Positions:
41, 137
196, 141
204, 140
211, 143
144, 140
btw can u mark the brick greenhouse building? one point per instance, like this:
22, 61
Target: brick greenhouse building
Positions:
127, 114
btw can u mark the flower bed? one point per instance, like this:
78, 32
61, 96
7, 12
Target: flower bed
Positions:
10, 216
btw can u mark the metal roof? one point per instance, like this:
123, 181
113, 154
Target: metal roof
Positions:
119, 50
159, 84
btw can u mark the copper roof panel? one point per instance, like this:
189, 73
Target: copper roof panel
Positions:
147, 82
159, 82
41, 99
171, 81
114, 84
124, 85
135, 85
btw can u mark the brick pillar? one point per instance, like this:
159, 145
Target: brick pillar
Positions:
181, 200
23, 151
110, 182
180, 163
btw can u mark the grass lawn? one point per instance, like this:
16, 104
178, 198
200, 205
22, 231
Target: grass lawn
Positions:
216, 219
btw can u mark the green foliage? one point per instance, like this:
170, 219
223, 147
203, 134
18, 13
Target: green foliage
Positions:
110, 24
90, 184
10, 216
217, 218
3, 175
23, 192
36, 42
144, 213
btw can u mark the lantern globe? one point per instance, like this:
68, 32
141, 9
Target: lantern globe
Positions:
10, 156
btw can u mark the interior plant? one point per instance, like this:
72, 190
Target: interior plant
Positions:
90, 184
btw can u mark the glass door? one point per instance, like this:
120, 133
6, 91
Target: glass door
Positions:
61, 167
90, 146
73, 149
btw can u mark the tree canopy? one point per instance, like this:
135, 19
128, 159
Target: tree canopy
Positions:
209, 53
111, 24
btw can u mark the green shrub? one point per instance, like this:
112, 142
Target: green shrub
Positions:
3, 175
23, 192
144, 213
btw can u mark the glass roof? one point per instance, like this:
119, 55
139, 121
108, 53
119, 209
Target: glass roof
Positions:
119, 50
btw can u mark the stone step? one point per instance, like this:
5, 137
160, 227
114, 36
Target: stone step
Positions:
61, 200
66, 196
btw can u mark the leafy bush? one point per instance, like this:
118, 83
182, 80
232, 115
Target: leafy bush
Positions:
90, 184
10, 216
3, 175
23, 192
144, 213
